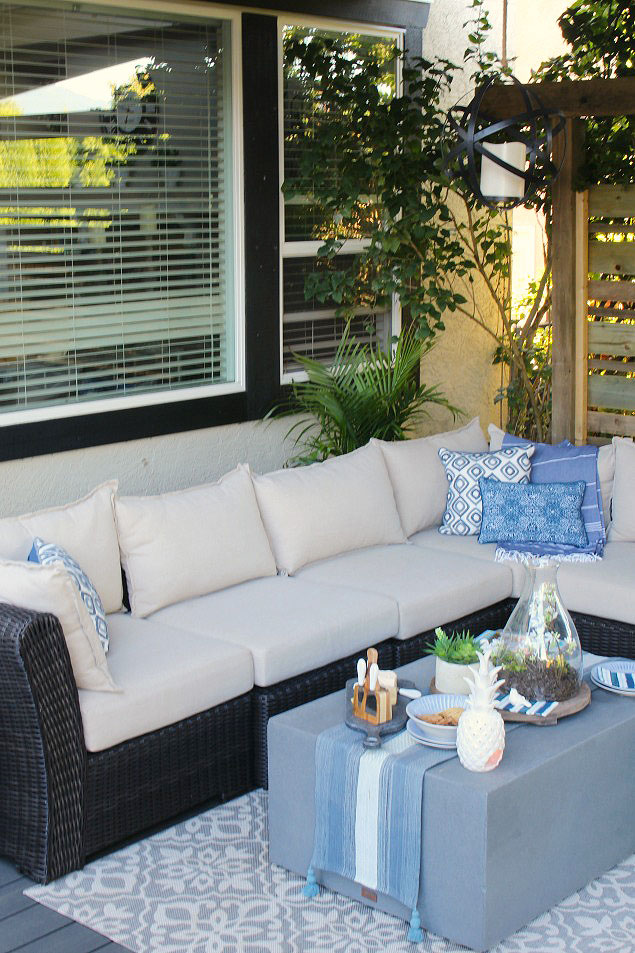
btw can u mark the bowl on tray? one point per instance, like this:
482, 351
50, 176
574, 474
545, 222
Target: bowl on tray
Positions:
432, 705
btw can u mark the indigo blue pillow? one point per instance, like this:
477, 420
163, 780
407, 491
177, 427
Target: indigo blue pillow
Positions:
48, 554
532, 512
564, 463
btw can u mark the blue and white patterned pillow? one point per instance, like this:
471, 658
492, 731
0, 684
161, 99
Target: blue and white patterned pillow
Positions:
464, 508
48, 554
533, 512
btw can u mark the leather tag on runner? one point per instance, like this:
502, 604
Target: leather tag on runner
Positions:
369, 894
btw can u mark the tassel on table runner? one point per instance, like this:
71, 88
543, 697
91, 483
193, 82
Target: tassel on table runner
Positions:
415, 933
311, 888
368, 814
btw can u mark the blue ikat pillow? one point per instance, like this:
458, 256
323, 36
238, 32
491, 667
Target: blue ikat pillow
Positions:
532, 512
463, 511
48, 554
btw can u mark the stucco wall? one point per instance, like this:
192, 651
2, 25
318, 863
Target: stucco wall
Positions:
142, 466
461, 362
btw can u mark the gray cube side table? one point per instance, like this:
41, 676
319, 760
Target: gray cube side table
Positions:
510, 844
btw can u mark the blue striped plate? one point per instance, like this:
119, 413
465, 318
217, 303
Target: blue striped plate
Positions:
542, 708
616, 675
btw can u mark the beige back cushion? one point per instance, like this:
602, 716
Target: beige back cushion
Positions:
622, 527
328, 508
85, 529
418, 476
190, 542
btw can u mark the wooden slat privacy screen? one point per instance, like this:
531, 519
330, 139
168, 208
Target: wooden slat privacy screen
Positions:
606, 318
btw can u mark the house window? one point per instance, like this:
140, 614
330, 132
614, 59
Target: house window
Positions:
117, 217
310, 327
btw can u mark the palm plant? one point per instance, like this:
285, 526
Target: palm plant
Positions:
366, 392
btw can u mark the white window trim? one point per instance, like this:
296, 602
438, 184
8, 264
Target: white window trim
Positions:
309, 248
201, 11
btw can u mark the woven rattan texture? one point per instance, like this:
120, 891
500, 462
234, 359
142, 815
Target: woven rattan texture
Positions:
151, 779
42, 754
605, 636
296, 691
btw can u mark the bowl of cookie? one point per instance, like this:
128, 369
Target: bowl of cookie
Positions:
437, 716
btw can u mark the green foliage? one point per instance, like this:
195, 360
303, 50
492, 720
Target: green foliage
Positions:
371, 161
601, 37
459, 648
365, 393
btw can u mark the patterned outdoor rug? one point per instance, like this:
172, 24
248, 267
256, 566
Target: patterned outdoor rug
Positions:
206, 886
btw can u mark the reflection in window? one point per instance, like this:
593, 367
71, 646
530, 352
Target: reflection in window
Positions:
308, 327
115, 206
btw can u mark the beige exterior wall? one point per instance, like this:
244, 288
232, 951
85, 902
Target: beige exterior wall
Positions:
153, 465
461, 361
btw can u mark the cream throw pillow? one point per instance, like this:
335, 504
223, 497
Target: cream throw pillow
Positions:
327, 508
85, 529
418, 477
622, 527
188, 543
51, 589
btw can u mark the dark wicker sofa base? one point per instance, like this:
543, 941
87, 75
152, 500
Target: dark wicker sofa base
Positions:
60, 804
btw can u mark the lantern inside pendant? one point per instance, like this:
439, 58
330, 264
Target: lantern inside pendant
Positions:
498, 183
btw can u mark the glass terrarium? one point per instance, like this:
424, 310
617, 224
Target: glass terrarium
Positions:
539, 649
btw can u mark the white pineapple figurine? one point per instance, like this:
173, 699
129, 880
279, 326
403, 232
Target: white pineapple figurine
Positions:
480, 736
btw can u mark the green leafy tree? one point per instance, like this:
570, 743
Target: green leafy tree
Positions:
601, 39
373, 163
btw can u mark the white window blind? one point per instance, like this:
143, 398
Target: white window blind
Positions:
310, 327
116, 274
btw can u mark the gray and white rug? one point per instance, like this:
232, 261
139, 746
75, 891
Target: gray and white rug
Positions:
206, 886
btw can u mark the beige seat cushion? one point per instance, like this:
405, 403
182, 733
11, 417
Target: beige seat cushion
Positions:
165, 675
468, 546
605, 588
289, 626
431, 586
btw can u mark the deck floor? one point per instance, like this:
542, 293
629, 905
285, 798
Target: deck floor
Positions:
29, 927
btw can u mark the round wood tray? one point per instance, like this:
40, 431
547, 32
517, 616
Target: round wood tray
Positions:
570, 707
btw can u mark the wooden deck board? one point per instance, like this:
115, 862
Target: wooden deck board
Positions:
29, 927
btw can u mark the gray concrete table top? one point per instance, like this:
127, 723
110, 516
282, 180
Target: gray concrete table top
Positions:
498, 848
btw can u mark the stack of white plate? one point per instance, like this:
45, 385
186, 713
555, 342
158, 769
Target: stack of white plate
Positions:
436, 736
615, 675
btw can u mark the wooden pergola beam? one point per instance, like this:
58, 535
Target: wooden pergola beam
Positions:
576, 99
573, 98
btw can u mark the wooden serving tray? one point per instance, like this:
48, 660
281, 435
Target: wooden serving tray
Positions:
571, 707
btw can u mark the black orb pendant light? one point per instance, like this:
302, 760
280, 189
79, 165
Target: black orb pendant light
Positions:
503, 161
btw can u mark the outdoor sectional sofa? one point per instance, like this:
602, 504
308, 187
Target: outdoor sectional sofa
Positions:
248, 597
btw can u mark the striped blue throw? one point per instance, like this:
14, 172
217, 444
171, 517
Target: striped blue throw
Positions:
563, 463
368, 810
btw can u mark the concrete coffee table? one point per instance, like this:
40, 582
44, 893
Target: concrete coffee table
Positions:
499, 848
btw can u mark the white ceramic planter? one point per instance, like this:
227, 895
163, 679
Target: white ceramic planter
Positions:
450, 677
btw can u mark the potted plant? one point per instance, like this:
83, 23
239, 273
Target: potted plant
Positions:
455, 656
